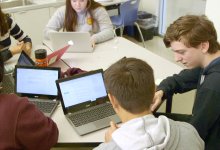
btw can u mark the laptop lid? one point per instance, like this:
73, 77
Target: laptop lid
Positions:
81, 41
33, 81
56, 55
25, 60
82, 91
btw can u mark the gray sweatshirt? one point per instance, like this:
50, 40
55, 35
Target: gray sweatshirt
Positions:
150, 133
101, 30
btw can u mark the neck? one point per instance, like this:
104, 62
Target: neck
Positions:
126, 116
210, 57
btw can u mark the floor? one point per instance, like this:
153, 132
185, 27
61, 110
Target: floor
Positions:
182, 103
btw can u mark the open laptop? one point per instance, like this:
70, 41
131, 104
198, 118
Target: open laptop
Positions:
85, 102
56, 55
23, 59
81, 41
8, 79
38, 84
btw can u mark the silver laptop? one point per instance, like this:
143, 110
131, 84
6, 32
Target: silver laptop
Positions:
38, 84
80, 41
85, 102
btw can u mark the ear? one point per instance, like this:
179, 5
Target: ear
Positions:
205, 46
113, 101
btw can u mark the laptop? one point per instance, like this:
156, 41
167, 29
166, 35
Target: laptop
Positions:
23, 59
38, 84
85, 102
56, 55
80, 40
8, 79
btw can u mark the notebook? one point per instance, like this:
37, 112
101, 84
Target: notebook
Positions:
23, 59
80, 40
38, 84
56, 55
85, 102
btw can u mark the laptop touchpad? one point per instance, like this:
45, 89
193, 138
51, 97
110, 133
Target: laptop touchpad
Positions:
103, 122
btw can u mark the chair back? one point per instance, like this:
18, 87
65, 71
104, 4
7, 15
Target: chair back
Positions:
129, 11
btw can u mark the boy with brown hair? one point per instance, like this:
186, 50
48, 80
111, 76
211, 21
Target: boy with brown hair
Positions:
193, 39
130, 86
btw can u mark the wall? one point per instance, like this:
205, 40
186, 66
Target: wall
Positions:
173, 9
212, 11
151, 6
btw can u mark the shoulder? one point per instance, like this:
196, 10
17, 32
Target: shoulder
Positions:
62, 8
108, 146
14, 102
13, 98
99, 11
10, 20
60, 11
185, 128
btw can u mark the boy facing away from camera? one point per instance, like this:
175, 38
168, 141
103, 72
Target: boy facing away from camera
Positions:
130, 86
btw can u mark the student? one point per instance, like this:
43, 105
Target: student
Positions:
22, 125
82, 15
193, 39
9, 28
130, 86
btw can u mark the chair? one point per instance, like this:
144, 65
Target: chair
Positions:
128, 16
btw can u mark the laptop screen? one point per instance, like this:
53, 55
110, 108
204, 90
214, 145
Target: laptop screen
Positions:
25, 60
36, 81
86, 88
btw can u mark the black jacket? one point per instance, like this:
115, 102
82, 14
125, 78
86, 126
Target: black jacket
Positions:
206, 109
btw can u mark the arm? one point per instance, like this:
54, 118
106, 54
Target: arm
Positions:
19, 35
206, 111
56, 22
8, 53
185, 81
109, 143
105, 26
34, 130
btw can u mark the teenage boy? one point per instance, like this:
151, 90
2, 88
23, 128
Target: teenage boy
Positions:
193, 39
131, 88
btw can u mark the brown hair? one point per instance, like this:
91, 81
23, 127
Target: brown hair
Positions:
192, 30
3, 22
70, 21
131, 82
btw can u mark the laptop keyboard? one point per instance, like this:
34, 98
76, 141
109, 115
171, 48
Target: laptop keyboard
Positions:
91, 115
45, 106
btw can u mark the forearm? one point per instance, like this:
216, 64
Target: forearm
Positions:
104, 24
185, 81
6, 54
103, 36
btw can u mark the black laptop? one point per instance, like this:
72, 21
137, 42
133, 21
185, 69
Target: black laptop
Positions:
85, 102
38, 84
8, 79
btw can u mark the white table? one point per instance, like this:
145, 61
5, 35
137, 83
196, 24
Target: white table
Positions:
104, 55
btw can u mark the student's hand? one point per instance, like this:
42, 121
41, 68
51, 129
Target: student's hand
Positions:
92, 41
108, 134
27, 48
17, 48
157, 100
